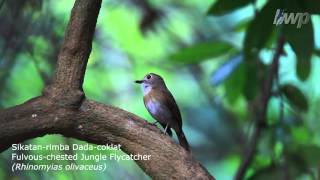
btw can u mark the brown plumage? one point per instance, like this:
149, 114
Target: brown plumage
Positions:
161, 105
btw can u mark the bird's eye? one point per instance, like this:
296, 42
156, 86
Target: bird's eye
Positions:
148, 76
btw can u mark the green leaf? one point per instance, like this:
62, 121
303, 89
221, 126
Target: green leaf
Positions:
303, 69
295, 97
201, 51
311, 154
261, 28
308, 154
317, 52
225, 6
258, 35
242, 25
301, 135
269, 172
311, 6
302, 42
235, 83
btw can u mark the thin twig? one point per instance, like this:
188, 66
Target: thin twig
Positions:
261, 119
284, 164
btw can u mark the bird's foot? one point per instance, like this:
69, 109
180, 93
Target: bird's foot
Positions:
165, 130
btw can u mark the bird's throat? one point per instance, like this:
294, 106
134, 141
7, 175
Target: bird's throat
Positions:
146, 89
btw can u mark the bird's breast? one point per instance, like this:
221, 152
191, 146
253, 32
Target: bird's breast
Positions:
153, 106
154, 103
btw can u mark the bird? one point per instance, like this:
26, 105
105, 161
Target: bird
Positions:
162, 106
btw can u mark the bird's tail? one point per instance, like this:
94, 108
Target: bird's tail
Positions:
183, 141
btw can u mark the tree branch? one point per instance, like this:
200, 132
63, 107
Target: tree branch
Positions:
63, 109
74, 54
101, 124
31, 119
261, 115
114, 125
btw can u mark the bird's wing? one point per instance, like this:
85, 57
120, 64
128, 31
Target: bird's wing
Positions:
167, 109
171, 104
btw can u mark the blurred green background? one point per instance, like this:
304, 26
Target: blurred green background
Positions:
211, 55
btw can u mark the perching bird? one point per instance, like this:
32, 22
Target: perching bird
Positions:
161, 105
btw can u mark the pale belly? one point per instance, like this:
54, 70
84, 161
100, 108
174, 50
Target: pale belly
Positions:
153, 107
160, 112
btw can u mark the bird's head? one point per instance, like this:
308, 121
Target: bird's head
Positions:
150, 81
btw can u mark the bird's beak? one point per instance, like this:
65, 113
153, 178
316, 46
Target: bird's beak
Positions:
139, 81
